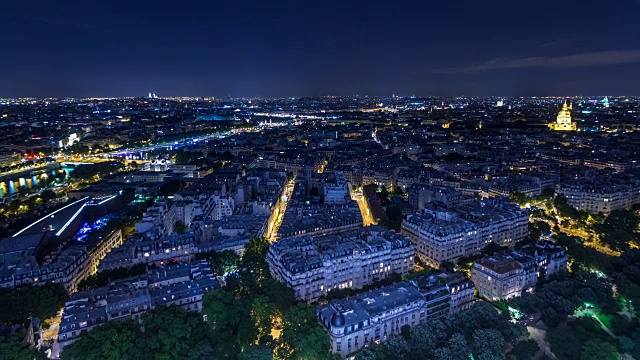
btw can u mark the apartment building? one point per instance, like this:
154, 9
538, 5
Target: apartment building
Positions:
498, 220
149, 176
441, 236
181, 285
383, 178
445, 293
600, 198
313, 266
222, 206
336, 192
315, 220
184, 211
551, 257
445, 235
24, 265
160, 218
505, 275
371, 317
420, 195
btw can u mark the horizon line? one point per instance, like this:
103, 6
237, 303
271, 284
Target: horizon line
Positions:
308, 96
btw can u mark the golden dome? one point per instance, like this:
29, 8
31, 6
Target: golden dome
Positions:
563, 120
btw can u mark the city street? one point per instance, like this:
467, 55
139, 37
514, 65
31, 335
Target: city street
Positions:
367, 218
276, 219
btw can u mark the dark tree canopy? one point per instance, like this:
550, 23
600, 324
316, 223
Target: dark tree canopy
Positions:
256, 352
164, 333
88, 171
173, 333
172, 187
525, 350
598, 350
302, 336
102, 278
113, 341
558, 299
19, 304
221, 262
13, 349
581, 338
481, 329
619, 229
250, 306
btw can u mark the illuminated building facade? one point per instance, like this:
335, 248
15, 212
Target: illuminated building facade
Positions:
353, 323
504, 276
312, 266
563, 121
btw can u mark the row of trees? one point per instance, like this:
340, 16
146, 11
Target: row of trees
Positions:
27, 164
546, 196
482, 332
392, 210
88, 171
623, 271
619, 230
222, 263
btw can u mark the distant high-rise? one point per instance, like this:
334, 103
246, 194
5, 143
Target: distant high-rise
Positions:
563, 121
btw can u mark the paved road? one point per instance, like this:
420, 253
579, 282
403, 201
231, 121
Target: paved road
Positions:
272, 228
367, 217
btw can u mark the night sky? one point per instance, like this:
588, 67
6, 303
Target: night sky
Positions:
307, 48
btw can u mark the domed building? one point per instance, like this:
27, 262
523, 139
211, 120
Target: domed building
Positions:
372, 317
563, 121
337, 320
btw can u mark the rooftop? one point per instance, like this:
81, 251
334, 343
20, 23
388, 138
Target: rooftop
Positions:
364, 306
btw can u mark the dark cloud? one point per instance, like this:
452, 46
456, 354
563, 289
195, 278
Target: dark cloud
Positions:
611, 57
556, 43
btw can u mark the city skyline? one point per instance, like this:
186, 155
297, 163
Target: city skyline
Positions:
294, 180
431, 97
296, 50
352, 223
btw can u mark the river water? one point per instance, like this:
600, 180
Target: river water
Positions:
13, 186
